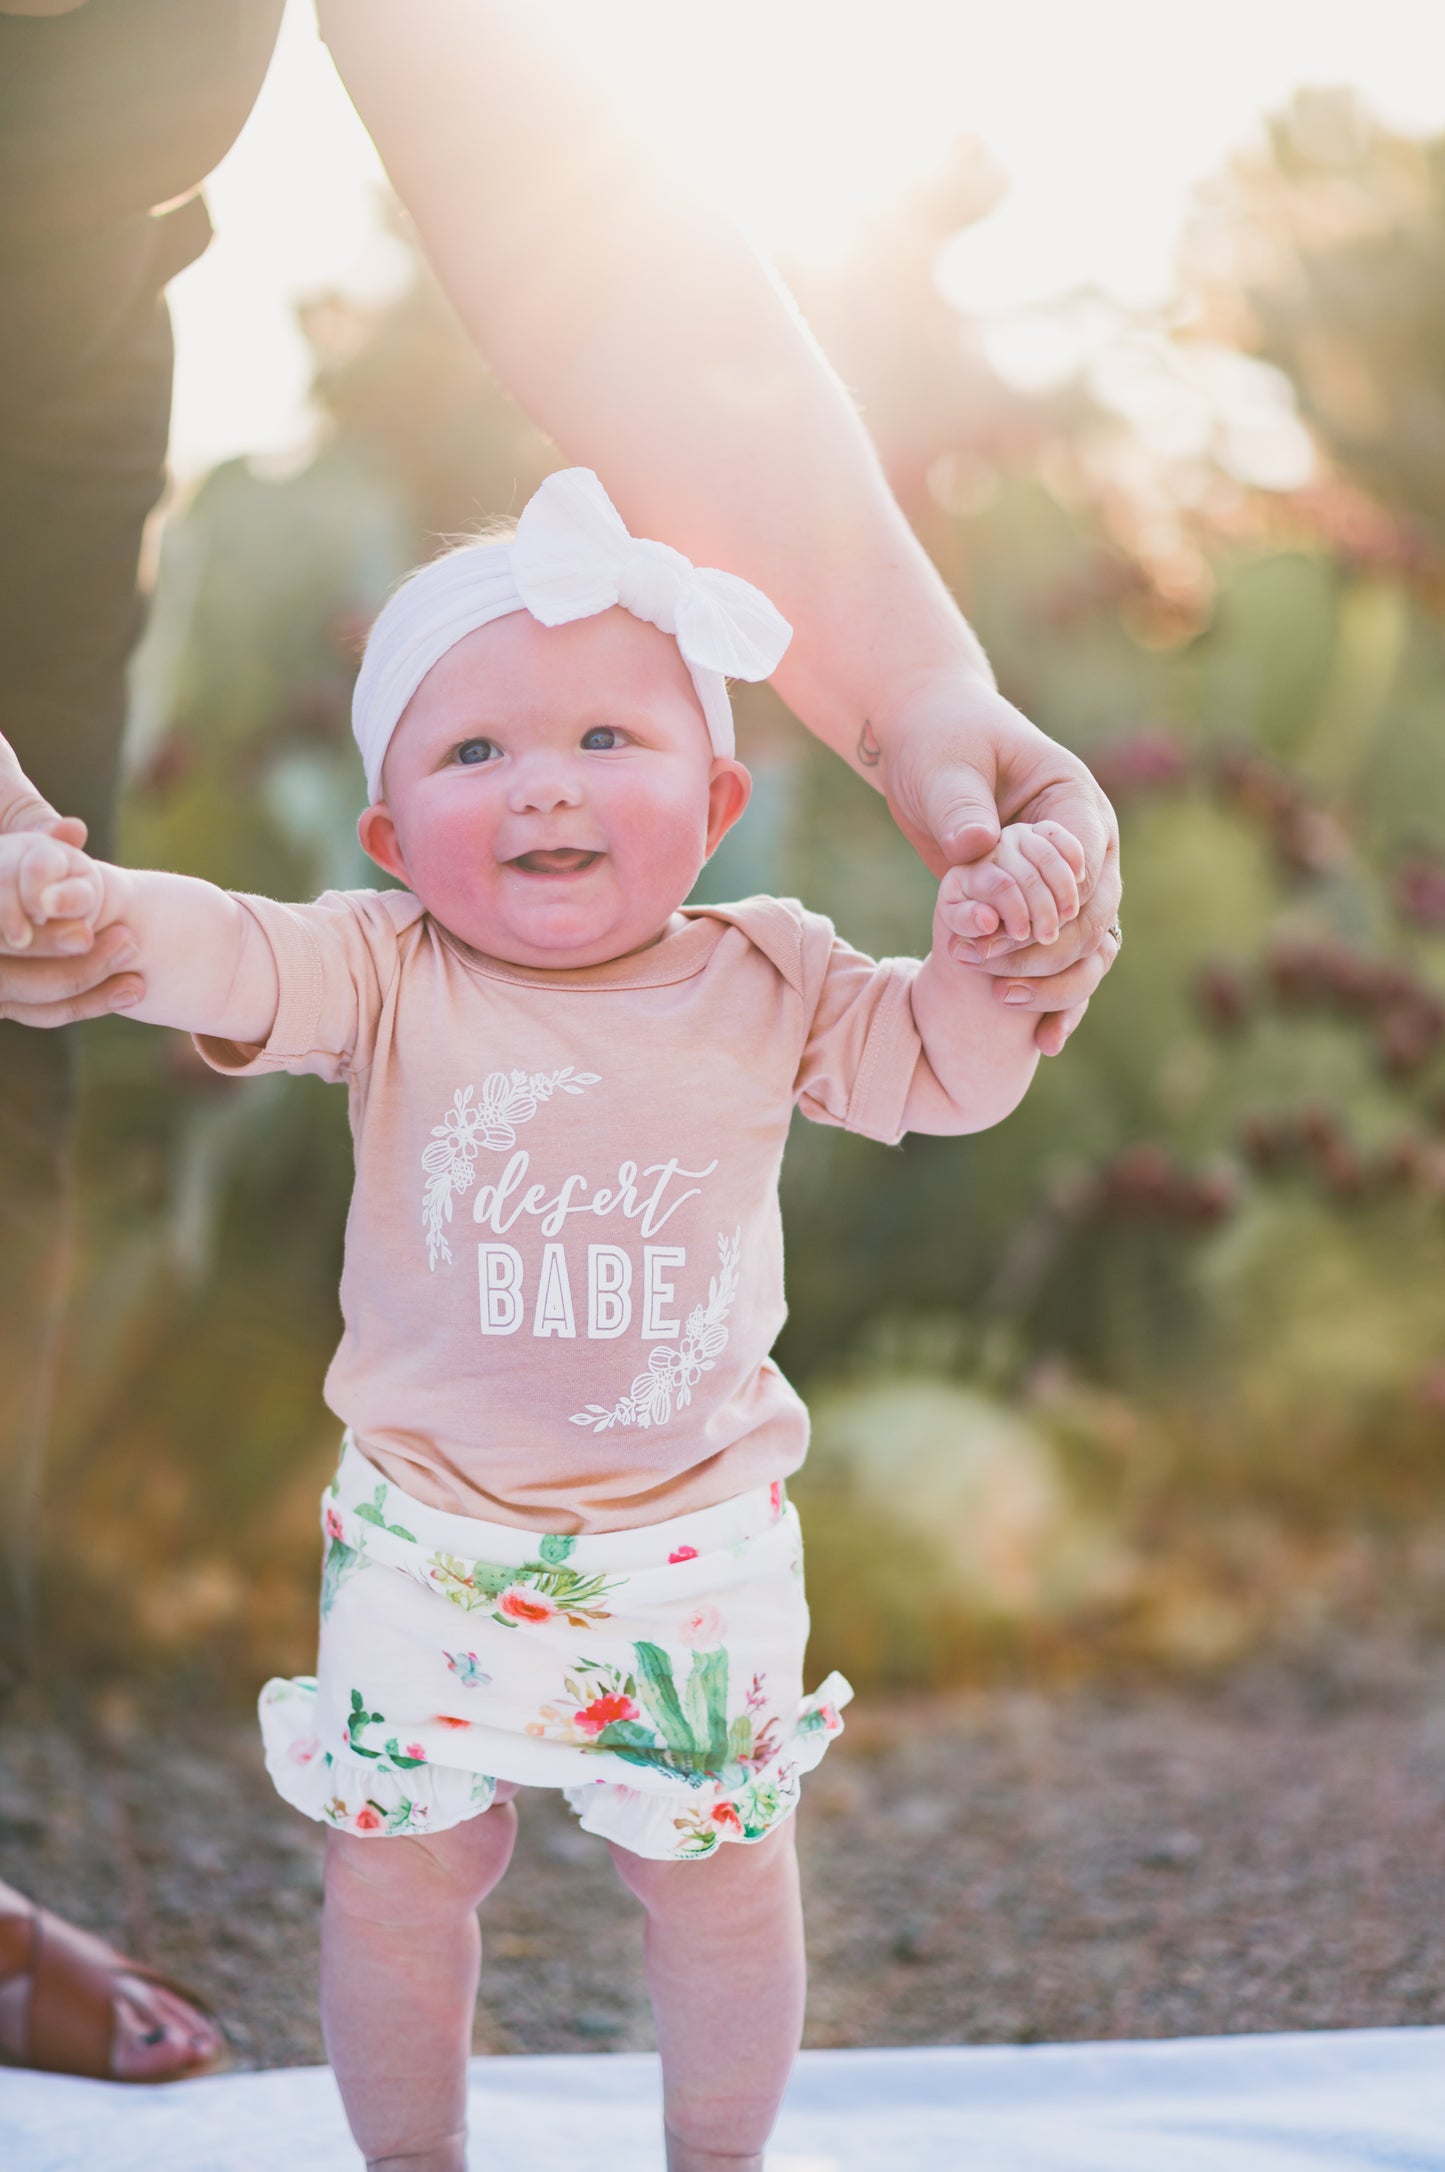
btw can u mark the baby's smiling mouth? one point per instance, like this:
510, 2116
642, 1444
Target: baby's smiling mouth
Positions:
559, 860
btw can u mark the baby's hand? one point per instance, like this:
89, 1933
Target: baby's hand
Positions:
1029, 884
41, 879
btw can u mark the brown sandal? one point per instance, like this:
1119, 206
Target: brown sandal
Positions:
70, 2026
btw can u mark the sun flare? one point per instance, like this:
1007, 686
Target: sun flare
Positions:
803, 116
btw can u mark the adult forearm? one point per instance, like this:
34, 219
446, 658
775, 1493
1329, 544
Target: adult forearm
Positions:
696, 389
635, 325
638, 328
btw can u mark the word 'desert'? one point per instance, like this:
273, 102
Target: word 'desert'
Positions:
502, 1204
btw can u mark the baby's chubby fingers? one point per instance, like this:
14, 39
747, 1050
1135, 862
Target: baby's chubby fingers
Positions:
1046, 848
1040, 908
972, 921
982, 899
73, 897
1031, 878
46, 881
961, 906
1065, 843
16, 932
27, 865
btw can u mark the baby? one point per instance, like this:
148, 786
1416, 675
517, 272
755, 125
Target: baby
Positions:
558, 1548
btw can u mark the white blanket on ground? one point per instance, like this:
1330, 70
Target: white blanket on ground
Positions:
1369, 2100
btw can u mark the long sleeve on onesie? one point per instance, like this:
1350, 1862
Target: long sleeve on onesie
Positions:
564, 1259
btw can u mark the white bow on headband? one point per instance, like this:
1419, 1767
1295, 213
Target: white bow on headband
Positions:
570, 558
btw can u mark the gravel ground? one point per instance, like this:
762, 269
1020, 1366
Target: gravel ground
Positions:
1000, 1867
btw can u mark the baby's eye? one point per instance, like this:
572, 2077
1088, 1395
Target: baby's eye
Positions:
601, 739
473, 751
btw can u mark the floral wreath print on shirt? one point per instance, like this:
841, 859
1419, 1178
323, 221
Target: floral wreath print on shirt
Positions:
507, 1098
672, 1374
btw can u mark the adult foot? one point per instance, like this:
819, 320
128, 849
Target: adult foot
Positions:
71, 2004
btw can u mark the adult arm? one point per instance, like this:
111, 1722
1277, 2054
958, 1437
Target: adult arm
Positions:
641, 332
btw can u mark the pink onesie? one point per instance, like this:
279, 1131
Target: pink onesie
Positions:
564, 1262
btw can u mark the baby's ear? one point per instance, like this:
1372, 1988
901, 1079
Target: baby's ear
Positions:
729, 789
379, 841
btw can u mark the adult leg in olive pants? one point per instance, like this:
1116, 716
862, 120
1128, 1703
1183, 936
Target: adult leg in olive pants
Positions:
81, 465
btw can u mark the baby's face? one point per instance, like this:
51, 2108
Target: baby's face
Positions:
551, 792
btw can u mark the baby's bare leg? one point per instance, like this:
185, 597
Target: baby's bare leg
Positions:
725, 1970
400, 1955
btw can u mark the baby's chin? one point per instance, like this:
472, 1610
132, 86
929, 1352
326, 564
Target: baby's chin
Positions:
557, 936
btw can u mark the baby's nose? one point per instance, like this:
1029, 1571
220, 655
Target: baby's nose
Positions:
543, 783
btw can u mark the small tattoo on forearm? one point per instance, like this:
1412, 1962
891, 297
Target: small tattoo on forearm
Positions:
870, 754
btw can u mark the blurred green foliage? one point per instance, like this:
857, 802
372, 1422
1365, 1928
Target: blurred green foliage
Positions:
1153, 1372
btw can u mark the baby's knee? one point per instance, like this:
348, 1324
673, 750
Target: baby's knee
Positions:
411, 1879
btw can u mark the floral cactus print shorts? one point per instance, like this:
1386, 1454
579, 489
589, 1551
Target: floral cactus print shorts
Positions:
654, 1674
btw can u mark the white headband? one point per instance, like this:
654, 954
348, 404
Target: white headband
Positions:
570, 558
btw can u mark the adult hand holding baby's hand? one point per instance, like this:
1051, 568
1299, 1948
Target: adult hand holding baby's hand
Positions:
957, 761
64, 971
